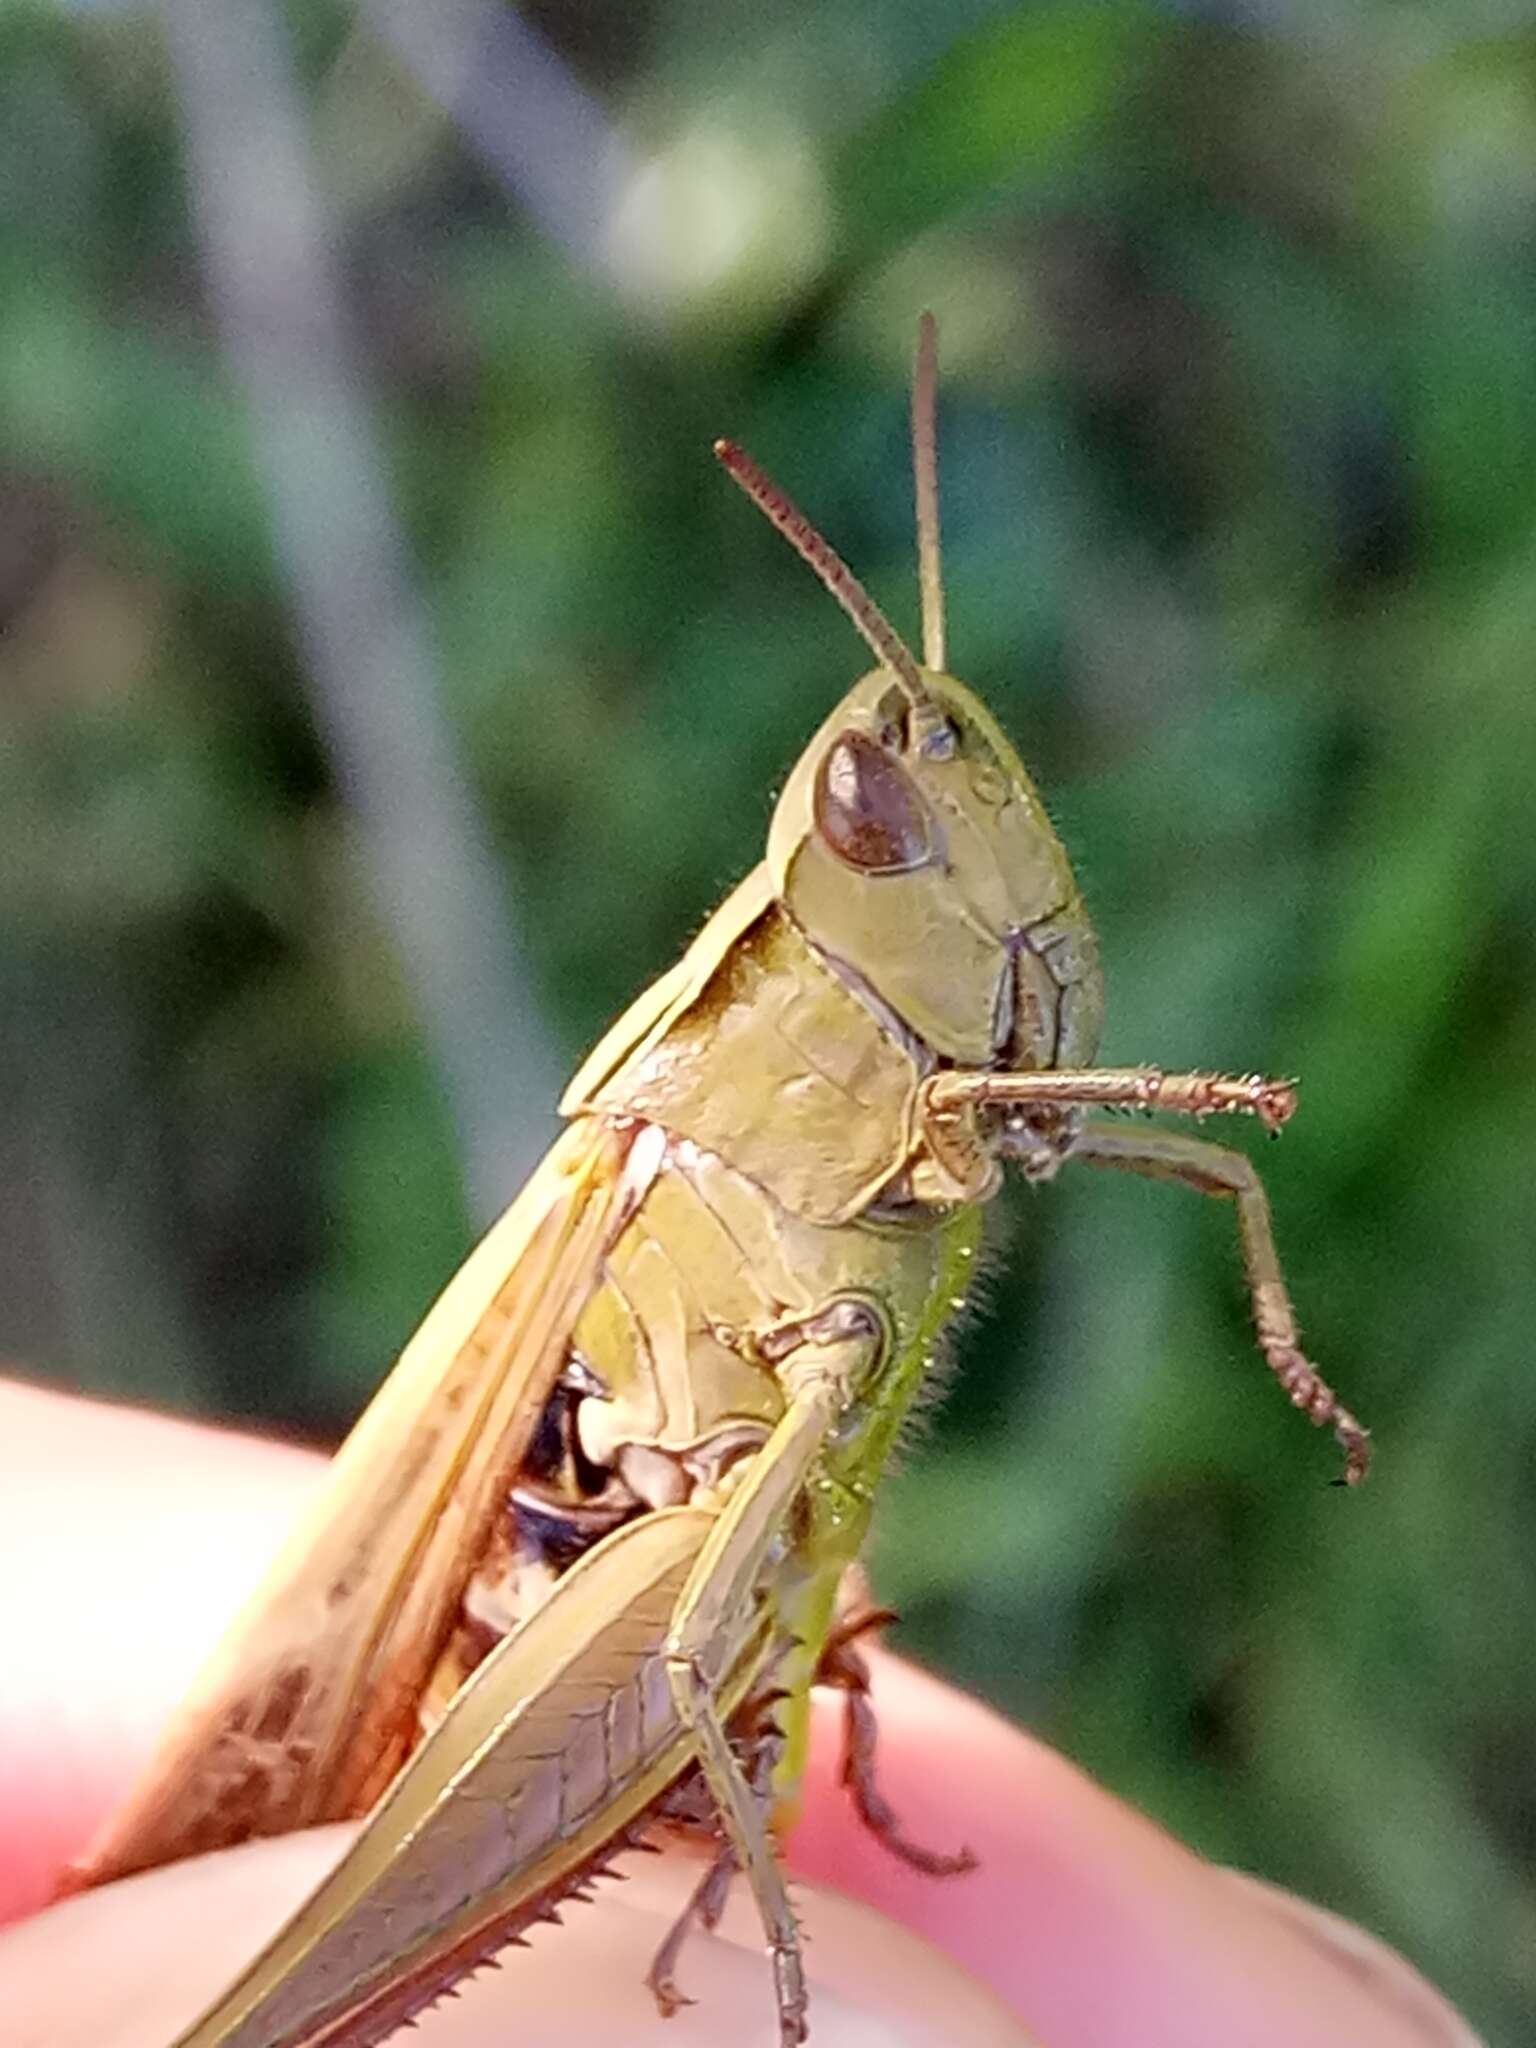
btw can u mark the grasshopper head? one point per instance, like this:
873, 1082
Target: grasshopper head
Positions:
909, 842
912, 846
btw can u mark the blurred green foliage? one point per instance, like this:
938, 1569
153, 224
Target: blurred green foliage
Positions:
1239, 433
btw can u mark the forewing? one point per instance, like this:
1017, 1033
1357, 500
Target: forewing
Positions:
308, 1708
559, 1743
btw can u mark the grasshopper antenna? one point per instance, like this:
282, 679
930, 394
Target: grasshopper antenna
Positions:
887, 645
925, 476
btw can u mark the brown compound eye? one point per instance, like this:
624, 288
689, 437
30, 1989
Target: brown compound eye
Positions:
868, 811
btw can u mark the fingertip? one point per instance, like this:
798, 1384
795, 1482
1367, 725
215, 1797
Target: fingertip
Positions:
130, 1540
1091, 1921
105, 1970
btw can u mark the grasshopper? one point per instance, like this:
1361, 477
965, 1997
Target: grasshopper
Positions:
578, 1566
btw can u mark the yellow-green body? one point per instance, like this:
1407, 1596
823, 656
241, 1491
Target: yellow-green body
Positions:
687, 1350
787, 1080
765, 1103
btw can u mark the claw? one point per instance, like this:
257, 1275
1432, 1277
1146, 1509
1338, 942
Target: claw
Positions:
669, 2000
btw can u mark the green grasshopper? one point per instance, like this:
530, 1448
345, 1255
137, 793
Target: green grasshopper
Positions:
578, 1566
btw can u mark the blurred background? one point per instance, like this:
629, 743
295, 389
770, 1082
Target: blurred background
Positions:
389, 683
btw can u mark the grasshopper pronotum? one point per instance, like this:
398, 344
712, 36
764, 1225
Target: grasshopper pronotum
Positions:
577, 1568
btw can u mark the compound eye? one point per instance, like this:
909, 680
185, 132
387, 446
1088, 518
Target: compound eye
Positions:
868, 811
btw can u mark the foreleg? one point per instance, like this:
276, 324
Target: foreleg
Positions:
1213, 1170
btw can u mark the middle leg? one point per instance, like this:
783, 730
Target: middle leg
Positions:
844, 1666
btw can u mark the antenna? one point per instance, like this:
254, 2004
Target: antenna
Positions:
889, 649
925, 477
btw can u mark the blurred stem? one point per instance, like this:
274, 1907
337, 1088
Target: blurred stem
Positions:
545, 138
267, 249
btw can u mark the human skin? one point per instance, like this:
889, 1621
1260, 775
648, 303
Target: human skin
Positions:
125, 1542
